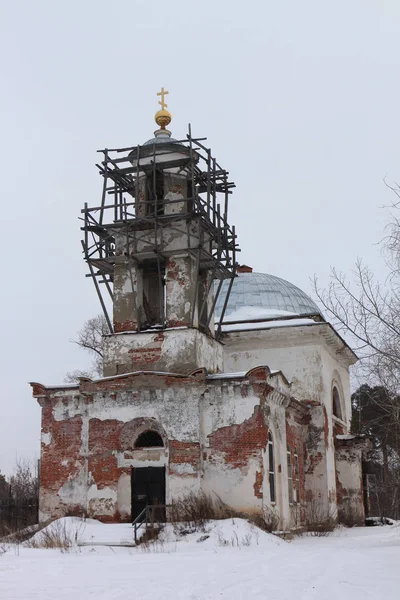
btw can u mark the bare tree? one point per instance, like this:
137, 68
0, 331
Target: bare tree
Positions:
90, 338
368, 311
20, 500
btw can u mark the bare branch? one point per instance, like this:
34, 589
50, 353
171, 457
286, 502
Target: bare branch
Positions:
90, 337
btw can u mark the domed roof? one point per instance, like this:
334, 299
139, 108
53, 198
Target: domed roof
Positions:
161, 139
262, 296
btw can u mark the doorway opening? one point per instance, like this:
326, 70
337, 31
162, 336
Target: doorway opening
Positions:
148, 489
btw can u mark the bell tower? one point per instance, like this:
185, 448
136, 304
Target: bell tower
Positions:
158, 248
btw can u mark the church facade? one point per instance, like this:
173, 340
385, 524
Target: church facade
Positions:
217, 380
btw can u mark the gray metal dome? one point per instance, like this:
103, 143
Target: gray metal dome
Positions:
263, 291
161, 140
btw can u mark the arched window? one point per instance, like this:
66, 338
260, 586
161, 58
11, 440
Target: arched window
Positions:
149, 439
271, 467
337, 410
289, 473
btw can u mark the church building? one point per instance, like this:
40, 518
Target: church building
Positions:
217, 379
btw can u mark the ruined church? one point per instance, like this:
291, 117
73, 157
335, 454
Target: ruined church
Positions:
216, 379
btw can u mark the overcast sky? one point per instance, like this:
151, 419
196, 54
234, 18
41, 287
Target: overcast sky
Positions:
298, 100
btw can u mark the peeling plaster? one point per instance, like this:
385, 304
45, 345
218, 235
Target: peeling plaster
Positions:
46, 438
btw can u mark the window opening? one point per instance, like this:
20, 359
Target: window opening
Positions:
202, 301
190, 201
149, 439
155, 193
337, 411
153, 296
296, 488
271, 467
290, 476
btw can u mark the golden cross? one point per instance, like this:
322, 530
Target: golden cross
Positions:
162, 94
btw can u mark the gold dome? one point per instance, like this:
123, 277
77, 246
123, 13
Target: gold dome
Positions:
162, 118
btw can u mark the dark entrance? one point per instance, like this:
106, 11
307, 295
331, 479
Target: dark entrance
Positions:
148, 488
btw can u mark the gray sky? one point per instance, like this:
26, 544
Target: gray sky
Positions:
298, 100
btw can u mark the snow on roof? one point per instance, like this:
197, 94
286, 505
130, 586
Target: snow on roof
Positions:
61, 386
238, 374
234, 375
244, 326
249, 313
167, 373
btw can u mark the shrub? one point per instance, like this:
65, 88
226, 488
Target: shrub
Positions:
59, 534
319, 522
192, 512
268, 521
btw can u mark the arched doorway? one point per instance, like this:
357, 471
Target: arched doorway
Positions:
148, 483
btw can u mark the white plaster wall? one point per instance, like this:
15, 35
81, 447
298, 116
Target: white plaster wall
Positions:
348, 462
312, 365
277, 426
152, 457
289, 349
176, 410
315, 465
233, 485
179, 487
174, 237
187, 414
224, 406
182, 350
334, 371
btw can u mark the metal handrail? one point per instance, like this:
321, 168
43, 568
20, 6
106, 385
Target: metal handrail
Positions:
136, 523
143, 516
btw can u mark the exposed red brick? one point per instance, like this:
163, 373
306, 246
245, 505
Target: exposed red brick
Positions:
338, 429
174, 272
135, 381
244, 269
143, 356
130, 430
258, 485
238, 443
183, 453
103, 441
64, 448
121, 326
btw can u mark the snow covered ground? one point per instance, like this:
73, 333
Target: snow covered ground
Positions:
235, 561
